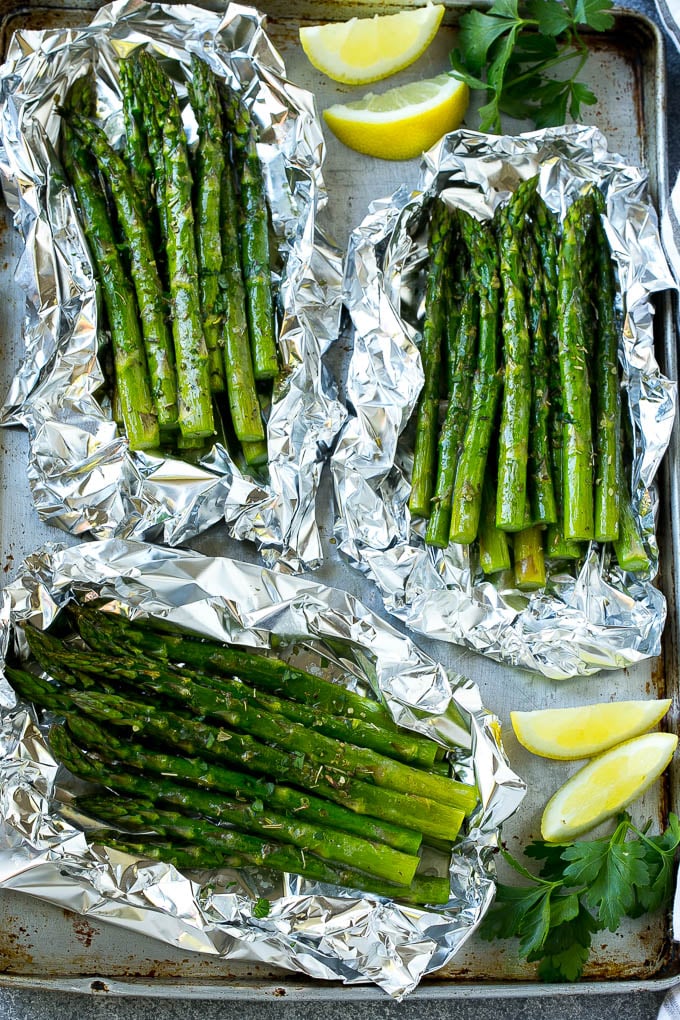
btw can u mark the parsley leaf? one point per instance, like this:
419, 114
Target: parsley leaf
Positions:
564, 907
506, 923
594, 13
261, 908
463, 73
659, 858
478, 33
567, 948
551, 855
535, 925
507, 8
583, 887
509, 50
612, 872
552, 18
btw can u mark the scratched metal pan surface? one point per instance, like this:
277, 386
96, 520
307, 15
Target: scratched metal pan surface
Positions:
43, 946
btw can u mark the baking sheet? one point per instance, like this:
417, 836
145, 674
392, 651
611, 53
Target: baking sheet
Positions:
41, 945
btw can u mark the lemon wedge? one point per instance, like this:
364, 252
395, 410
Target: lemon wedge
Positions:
367, 49
402, 122
582, 732
606, 785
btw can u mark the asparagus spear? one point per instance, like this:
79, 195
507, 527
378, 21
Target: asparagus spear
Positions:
255, 257
39, 692
266, 671
455, 292
215, 777
132, 383
144, 73
194, 737
135, 139
424, 457
541, 491
140, 815
238, 359
629, 546
529, 560
423, 889
545, 227
461, 348
608, 405
577, 479
229, 695
143, 269
174, 198
255, 454
427, 421
494, 550
467, 489
255, 263
182, 856
375, 859
55, 694
513, 440
209, 161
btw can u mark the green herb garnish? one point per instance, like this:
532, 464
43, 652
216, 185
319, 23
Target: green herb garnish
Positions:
515, 46
262, 908
583, 887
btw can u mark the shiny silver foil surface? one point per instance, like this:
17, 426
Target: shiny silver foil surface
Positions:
83, 476
603, 618
323, 932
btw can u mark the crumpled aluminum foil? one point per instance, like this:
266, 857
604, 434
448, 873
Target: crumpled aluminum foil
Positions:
323, 932
83, 477
601, 619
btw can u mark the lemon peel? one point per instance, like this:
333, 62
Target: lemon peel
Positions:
606, 785
567, 733
402, 122
363, 50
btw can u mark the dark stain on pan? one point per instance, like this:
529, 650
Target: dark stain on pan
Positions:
651, 957
627, 41
16, 954
84, 931
656, 686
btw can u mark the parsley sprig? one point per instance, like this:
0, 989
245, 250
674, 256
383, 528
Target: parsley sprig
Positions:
516, 45
583, 887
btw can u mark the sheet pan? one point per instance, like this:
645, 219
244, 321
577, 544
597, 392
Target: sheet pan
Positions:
41, 946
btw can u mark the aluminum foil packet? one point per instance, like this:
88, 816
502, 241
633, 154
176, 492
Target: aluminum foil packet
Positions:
320, 931
82, 475
602, 618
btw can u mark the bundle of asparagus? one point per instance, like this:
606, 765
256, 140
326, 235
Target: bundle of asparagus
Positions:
180, 248
222, 757
520, 345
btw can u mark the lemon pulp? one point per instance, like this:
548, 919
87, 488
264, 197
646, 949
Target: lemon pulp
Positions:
363, 50
402, 122
589, 729
606, 785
